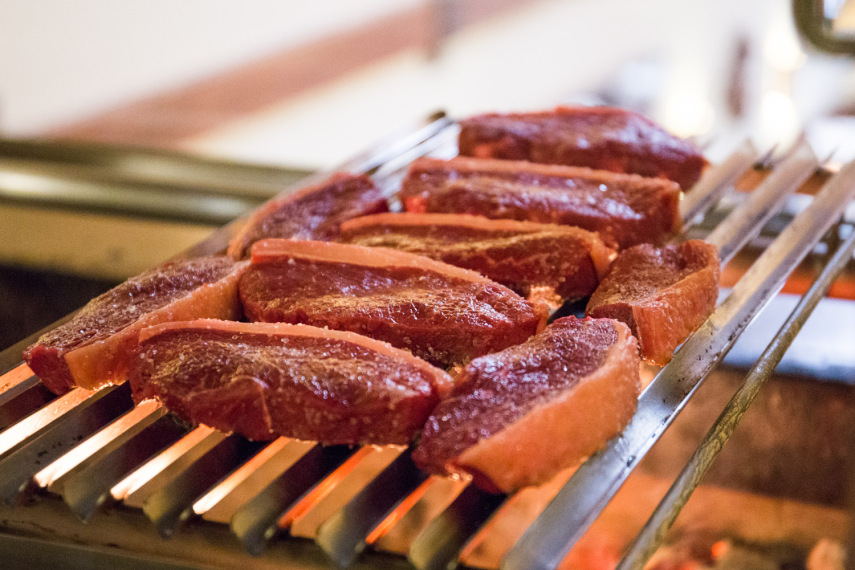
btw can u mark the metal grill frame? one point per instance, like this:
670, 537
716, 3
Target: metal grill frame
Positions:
141, 459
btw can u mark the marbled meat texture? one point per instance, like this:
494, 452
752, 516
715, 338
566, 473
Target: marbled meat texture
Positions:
662, 294
518, 417
624, 209
441, 313
313, 213
604, 138
523, 256
265, 380
93, 348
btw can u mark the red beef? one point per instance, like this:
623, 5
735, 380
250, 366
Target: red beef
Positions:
93, 348
624, 209
265, 380
532, 259
441, 313
518, 417
604, 138
662, 294
314, 213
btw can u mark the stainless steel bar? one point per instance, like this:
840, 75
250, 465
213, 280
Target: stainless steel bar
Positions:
24, 186
45, 419
575, 507
763, 202
148, 168
172, 504
87, 486
425, 504
397, 144
73, 425
221, 503
54, 475
256, 522
438, 546
343, 535
20, 395
666, 512
141, 483
159, 166
443, 143
16, 381
716, 183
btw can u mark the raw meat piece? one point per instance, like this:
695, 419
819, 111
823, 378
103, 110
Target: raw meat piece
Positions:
624, 209
263, 380
605, 138
519, 416
439, 312
93, 348
523, 256
315, 212
662, 294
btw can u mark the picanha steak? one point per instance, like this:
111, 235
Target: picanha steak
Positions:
543, 260
518, 417
264, 380
662, 294
604, 138
93, 348
624, 209
441, 313
313, 213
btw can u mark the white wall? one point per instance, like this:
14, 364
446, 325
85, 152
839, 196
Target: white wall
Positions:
61, 60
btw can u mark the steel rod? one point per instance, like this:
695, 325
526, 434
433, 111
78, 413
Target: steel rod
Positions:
745, 222
717, 182
578, 504
666, 512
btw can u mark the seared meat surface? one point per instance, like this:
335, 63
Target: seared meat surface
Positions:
523, 256
92, 349
441, 313
315, 212
624, 209
519, 416
605, 138
662, 294
265, 380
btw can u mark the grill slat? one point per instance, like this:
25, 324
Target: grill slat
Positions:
88, 484
69, 405
134, 489
717, 182
94, 412
256, 522
223, 500
27, 397
17, 379
666, 512
425, 504
439, 545
21, 393
563, 522
291, 484
172, 504
54, 476
318, 506
769, 197
344, 535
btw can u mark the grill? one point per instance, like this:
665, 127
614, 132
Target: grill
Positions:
136, 476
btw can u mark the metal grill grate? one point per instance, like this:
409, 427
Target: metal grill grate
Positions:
136, 474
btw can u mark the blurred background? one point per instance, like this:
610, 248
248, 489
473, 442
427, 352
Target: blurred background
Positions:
300, 86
